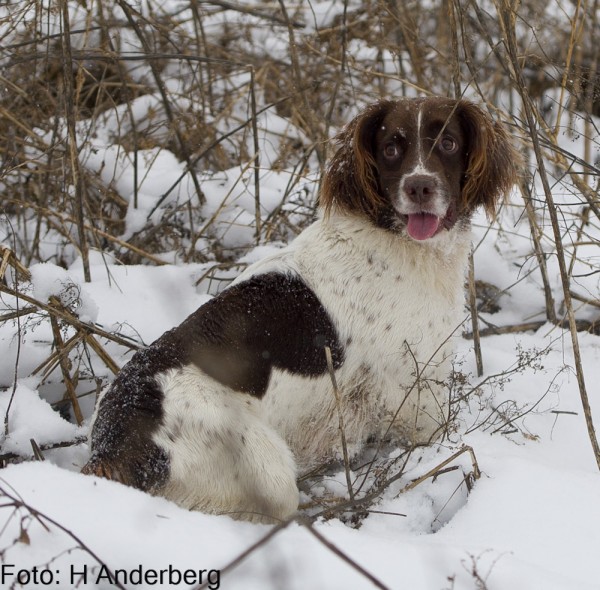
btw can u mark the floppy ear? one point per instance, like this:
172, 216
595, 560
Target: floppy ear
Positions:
350, 181
492, 161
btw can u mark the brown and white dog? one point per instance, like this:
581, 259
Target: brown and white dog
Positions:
219, 413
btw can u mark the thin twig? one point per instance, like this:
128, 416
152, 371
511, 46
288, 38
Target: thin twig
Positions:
247, 552
18, 313
587, 300
18, 502
132, 17
68, 317
342, 428
99, 350
507, 21
256, 158
69, 95
515, 328
37, 452
64, 364
435, 470
474, 316
47, 447
63, 217
337, 551
312, 120
210, 147
253, 12
536, 236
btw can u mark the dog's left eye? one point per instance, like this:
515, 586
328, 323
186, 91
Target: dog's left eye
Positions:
448, 144
391, 150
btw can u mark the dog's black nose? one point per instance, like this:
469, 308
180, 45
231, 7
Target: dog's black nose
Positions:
420, 188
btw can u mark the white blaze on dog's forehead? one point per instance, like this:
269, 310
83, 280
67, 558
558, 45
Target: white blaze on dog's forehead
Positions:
419, 123
420, 165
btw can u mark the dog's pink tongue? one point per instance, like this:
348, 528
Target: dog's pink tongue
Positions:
421, 226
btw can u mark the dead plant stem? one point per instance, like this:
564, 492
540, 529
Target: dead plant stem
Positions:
256, 159
438, 468
507, 21
69, 96
536, 236
475, 316
64, 366
71, 319
42, 518
342, 427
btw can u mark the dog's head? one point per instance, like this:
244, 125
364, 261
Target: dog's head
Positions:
420, 166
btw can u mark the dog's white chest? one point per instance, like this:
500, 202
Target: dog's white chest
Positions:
396, 307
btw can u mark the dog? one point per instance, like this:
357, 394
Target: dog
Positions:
222, 412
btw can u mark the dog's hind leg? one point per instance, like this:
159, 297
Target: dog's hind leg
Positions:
223, 457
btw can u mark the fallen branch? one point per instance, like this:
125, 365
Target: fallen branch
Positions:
64, 364
438, 469
47, 447
71, 319
580, 326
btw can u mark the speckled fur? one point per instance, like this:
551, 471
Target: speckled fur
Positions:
224, 457
396, 304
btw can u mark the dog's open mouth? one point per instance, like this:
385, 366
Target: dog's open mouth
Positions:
422, 226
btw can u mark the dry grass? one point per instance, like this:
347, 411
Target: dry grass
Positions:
115, 55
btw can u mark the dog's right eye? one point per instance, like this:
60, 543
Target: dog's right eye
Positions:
448, 144
391, 151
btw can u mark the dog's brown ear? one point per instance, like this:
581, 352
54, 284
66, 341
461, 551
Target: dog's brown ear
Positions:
492, 160
350, 181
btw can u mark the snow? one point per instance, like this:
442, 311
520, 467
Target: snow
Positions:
531, 521
49, 280
526, 524
31, 418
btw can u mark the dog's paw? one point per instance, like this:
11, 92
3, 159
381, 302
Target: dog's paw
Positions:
103, 469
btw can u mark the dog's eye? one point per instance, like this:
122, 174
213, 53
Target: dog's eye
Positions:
448, 144
391, 151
